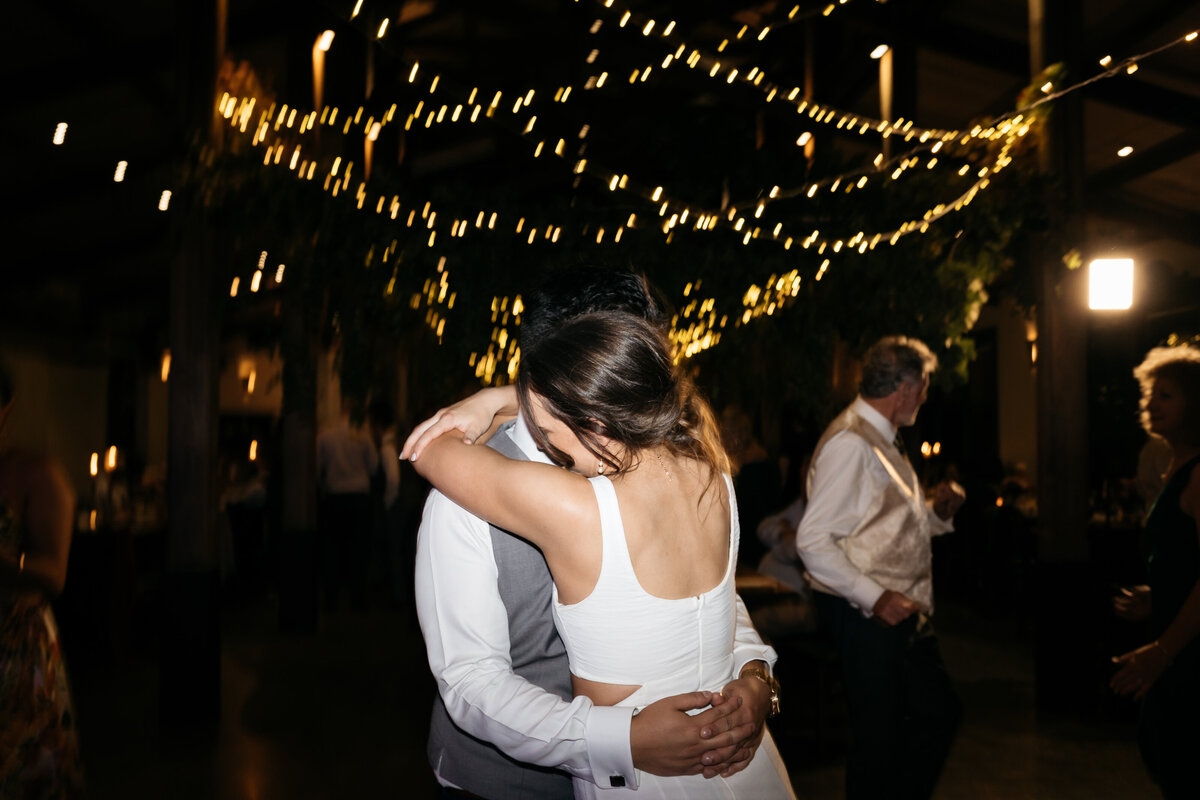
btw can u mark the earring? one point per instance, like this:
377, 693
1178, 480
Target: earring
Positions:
599, 467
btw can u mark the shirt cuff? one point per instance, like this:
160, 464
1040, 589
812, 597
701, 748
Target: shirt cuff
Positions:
609, 752
768, 657
864, 594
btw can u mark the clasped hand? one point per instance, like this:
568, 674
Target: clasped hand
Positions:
721, 740
472, 417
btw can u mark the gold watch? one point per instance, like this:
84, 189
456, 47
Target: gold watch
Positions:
761, 674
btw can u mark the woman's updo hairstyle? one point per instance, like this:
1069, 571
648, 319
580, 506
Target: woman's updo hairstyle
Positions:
610, 374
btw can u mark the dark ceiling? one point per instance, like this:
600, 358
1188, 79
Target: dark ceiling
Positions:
87, 273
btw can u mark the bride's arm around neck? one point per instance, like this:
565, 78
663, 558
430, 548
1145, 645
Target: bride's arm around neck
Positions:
547, 505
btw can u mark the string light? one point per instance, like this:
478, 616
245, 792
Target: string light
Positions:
622, 181
708, 221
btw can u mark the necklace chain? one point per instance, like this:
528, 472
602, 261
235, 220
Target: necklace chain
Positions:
666, 471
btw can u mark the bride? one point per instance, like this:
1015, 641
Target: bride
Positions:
640, 530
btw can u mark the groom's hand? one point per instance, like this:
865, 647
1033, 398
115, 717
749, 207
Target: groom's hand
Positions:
665, 740
751, 699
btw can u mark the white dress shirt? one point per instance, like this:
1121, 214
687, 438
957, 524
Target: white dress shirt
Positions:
781, 561
346, 459
466, 634
843, 482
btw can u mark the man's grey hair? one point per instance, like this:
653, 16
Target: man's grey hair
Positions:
893, 360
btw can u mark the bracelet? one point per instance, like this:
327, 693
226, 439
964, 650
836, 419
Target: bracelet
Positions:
772, 686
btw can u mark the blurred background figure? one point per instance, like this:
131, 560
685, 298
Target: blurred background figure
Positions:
346, 461
790, 614
395, 562
1165, 673
39, 749
243, 538
756, 481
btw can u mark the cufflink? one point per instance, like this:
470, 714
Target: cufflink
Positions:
616, 781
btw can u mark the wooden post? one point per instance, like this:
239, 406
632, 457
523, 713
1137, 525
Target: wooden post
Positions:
298, 574
190, 666
1070, 607
1062, 311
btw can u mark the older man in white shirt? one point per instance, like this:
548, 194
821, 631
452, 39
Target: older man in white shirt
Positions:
865, 542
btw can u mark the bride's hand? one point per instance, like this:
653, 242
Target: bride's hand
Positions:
472, 417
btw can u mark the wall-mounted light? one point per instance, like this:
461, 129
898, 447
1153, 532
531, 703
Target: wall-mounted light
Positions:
247, 373
1110, 284
1031, 339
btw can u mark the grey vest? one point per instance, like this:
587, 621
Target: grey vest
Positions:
538, 655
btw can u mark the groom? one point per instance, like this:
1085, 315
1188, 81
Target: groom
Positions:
504, 724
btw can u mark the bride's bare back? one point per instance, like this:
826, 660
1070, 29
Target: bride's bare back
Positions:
676, 524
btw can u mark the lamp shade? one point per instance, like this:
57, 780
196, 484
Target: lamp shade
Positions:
1110, 284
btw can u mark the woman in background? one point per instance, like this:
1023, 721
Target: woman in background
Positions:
1166, 672
39, 752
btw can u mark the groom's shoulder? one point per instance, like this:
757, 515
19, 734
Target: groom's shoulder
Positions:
440, 510
503, 442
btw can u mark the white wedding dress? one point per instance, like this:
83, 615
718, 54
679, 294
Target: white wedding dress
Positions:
620, 634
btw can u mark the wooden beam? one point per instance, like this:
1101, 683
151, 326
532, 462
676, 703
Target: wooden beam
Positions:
1133, 22
1154, 219
996, 52
1144, 162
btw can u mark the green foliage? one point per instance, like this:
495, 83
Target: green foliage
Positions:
361, 279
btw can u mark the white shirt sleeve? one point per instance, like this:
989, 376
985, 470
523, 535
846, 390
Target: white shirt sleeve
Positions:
840, 489
465, 626
747, 644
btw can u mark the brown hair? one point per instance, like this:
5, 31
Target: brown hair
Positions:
1180, 364
610, 374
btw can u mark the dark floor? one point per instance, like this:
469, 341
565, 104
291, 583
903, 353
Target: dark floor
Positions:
343, 712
